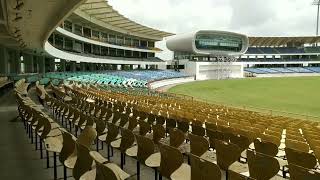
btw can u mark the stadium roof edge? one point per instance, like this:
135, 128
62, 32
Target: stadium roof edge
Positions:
282, 40
95, 8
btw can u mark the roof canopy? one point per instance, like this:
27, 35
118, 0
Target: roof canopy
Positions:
283, 41
101, 10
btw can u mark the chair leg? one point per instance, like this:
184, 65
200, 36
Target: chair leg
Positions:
31, 134
138, 170
121, 158
108, 149
97, 144
36, 139
227, 175
41, 153
54, 165
64, 172
48, 159
155, 174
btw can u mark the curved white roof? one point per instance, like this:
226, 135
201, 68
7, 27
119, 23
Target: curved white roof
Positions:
101, 10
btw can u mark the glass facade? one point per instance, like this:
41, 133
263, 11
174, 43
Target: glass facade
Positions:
218, 42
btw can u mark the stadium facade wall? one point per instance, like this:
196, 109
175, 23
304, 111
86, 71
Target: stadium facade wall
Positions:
78, 58
214, 70
168, 82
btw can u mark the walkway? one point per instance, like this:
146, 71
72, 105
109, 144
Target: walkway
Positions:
19, 160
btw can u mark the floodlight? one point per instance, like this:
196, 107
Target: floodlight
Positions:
317, 3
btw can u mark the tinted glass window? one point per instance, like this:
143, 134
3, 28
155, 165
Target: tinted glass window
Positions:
218, 42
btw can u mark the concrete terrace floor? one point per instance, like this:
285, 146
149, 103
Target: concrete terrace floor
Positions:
19, 160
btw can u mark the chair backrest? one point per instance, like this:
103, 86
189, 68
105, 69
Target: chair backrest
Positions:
170, 123
133, 123
103, 172
127, 139
145, 148
198, 130
212, 137
83, 163
68, 146
160, 120
158, 133
100, 126
242, 141
211, 126
116, 116
300, 173
271, 138
299, 158
183, 125
177, 137
124, 119
265, 147
112, 134
203, 169
262, 167
297, 145
45, 123
171, 160
83, 119
198, 145
144, 128
227, 153
76, 116
87, 136
151, 118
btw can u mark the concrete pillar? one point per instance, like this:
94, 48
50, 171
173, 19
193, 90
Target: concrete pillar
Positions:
28, 63
35, 64
14, 62
63, 65
42, 64
4, 59
52, 65
73, 65
92, 67
83, 66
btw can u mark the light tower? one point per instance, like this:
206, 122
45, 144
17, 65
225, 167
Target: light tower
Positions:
317, 3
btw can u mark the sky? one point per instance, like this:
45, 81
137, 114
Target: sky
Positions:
250, 17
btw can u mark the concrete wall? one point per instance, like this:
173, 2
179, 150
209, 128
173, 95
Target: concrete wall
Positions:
167, 82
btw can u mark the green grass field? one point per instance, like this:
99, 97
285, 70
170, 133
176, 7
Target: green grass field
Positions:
300, 95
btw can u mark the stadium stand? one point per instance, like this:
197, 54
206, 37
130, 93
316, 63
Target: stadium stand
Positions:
279, 50
314, 69
283, 70
137, 78
300, 70
153, 131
